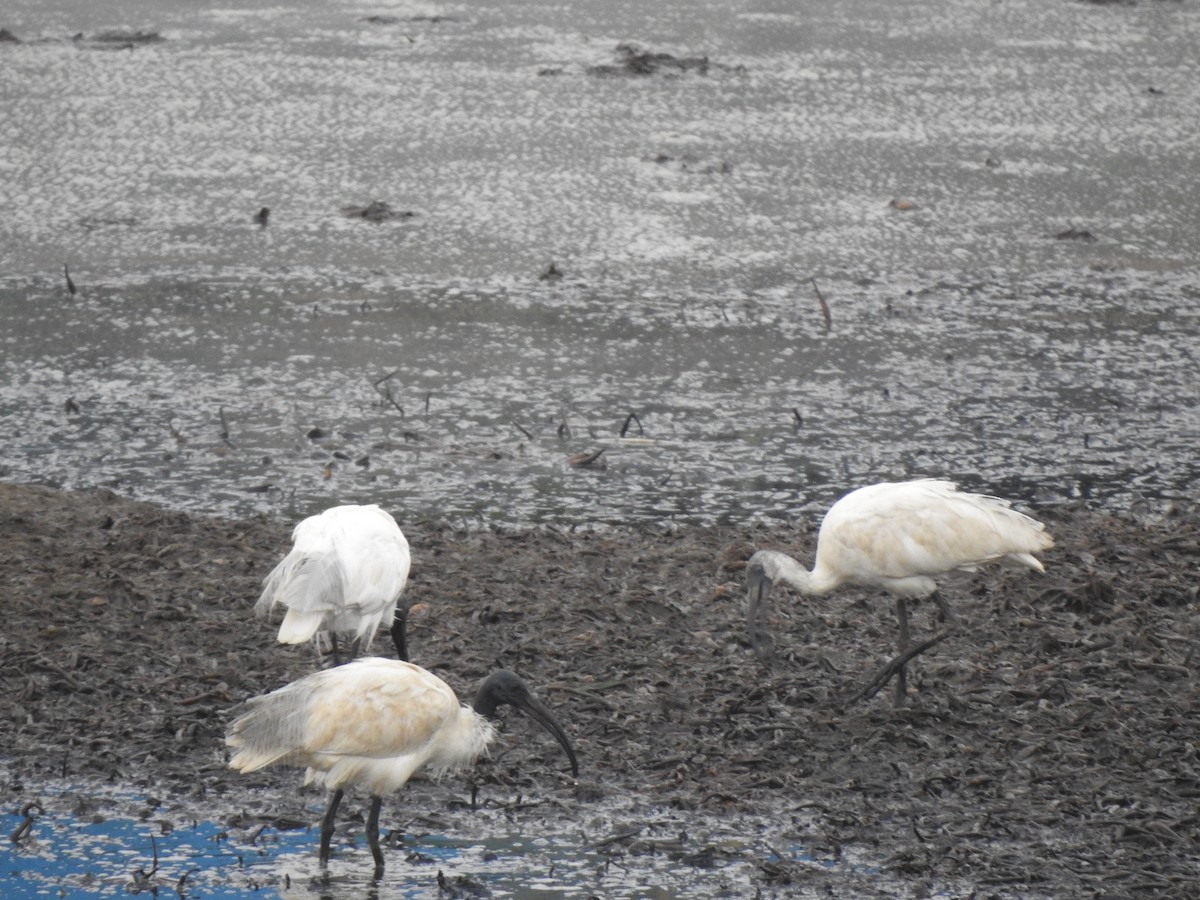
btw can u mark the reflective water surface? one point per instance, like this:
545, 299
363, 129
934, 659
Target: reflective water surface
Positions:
87, 841
979, 195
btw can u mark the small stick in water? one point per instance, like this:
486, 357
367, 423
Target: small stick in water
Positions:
824, 306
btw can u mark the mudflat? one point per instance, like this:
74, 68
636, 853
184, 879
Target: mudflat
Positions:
1049, 748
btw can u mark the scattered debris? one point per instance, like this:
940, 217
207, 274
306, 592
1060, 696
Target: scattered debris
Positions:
376, 211
384, 386
1075, 234
692, 165
95, 223
589, 460
633, 59
117, 39
417, 19
25, 829
825, 313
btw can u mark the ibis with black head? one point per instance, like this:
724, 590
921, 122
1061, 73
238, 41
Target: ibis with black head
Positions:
375, 722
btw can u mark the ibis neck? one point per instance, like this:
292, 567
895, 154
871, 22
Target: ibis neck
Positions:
780, 567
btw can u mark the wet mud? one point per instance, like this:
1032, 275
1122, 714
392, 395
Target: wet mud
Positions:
1049, 748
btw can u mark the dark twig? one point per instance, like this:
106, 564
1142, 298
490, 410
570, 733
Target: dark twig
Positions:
179, 885
143, 880
224, 425
587, 460
378, 381
24, 829
632, 417
824, 306
616, 838
70, 284
387, 392
888, 671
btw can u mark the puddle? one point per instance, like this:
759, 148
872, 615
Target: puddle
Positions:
98, 853
88, 842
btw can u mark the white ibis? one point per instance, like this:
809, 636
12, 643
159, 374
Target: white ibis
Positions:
375, 722
344, 575
898, 537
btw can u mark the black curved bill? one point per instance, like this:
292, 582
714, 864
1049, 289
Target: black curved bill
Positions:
758, 589
538, 711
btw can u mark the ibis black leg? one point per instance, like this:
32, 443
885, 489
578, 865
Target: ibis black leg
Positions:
333, 643
373, 834
400, 631
335, 800
895, 666
902, 645
355, 648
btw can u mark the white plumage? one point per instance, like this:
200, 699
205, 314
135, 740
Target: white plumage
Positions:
344, 575
899, 537
374, 722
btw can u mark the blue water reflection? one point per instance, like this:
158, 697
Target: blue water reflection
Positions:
65, 856
73, 850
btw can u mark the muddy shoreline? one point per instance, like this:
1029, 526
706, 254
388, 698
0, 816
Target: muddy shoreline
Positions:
1050, 749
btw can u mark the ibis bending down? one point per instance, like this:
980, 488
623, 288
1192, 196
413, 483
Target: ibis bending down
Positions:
375, 722
344, 575
898, 537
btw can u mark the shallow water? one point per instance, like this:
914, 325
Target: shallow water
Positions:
1029, 326
687, 211
89, 841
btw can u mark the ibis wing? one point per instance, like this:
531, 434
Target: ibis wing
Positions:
346, 569
376, 557
372, 722
923, 528
377, 710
